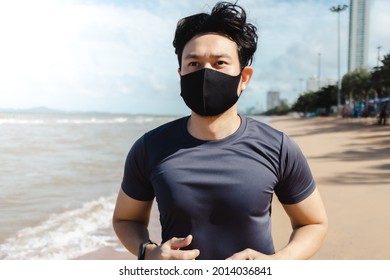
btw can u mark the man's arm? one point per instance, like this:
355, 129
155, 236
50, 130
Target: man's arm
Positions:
310, 225
130, 222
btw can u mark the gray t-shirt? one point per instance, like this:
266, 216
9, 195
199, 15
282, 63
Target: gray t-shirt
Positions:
218, 191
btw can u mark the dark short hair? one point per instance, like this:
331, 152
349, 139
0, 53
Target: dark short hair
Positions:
227, 19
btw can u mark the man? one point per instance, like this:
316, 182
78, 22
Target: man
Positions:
214, 173
383, 115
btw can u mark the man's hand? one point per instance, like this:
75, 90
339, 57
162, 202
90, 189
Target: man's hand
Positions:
170, 250
249, 254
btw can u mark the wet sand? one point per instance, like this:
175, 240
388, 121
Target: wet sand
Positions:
350, 160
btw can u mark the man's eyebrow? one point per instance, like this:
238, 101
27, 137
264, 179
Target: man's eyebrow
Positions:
196, 56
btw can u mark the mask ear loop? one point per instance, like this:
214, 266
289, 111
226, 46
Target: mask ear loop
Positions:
242, 69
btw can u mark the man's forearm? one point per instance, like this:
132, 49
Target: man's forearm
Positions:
131, 234
304, 242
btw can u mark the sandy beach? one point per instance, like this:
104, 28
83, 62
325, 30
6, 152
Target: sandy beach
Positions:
350, 160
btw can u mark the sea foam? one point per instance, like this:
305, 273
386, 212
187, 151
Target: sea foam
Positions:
66, 235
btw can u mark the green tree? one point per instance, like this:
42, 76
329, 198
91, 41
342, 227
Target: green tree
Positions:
380, 78
356, 85
282, 109
326, 98
311, 101
305, 103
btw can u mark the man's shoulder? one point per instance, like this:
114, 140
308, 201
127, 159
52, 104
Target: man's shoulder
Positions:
167, 130
258, 127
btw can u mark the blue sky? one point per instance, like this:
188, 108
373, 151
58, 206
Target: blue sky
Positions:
117, 56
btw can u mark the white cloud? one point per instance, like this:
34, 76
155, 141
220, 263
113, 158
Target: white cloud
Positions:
68, 55
379, 31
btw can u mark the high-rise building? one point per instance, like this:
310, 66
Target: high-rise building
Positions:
359, 14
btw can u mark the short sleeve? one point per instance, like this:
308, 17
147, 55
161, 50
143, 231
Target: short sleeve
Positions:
296, 181
135, 181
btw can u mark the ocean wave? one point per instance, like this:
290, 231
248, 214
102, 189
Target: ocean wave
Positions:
81, 119
66, 235
20, 121
92, 121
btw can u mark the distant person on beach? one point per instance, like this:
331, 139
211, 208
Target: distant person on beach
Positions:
383, 115
214, 173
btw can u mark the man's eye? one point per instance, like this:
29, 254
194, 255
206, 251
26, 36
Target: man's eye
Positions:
220, 62
193, 64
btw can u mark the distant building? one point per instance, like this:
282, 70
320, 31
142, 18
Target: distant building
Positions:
273, 99
358, 34
313, 84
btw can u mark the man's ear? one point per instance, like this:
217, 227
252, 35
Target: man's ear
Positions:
246, 76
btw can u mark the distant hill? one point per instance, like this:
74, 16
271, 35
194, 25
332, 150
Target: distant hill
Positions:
30, 110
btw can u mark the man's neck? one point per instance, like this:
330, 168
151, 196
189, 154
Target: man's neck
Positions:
214, 128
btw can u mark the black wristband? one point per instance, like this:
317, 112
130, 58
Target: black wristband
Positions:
142, 248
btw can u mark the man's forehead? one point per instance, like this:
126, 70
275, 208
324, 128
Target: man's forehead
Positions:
211, 43
212, 36
194, 55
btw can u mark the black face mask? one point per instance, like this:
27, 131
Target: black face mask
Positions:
208, 92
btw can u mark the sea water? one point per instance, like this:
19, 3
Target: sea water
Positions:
59, 177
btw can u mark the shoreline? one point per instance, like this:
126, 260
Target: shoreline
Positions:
350, 161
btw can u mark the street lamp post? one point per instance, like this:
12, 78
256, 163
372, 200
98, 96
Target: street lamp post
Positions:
337, 9
319, 71
379, 56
